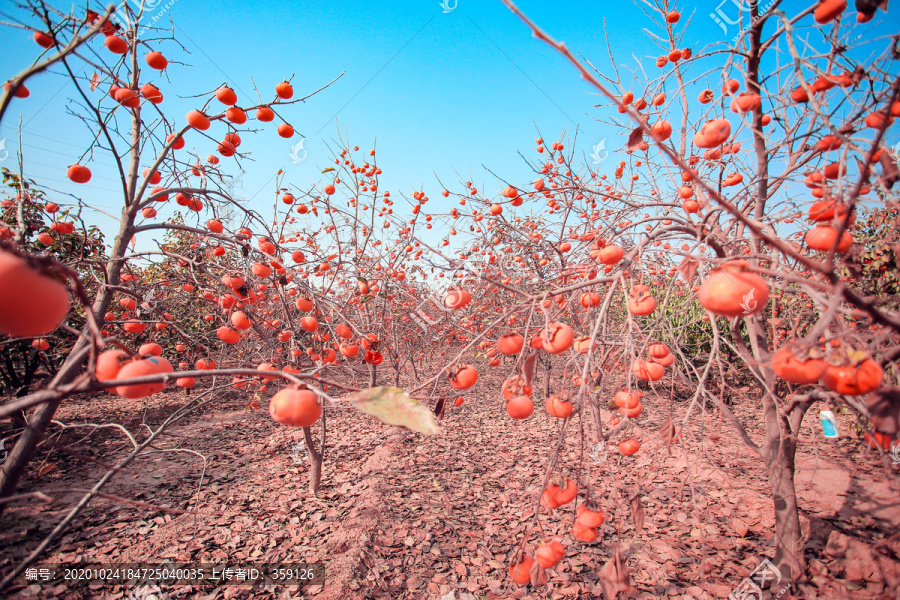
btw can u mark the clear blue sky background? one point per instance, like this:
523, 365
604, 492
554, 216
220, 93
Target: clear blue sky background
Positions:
442, 93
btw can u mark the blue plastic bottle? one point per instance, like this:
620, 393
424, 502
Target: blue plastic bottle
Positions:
829, 423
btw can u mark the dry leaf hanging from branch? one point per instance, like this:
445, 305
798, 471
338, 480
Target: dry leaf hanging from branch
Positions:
637, 512
667, 433
635, 139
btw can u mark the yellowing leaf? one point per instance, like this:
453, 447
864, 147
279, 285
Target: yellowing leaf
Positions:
327, 169
393, 406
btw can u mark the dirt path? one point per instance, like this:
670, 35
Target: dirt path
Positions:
405, 516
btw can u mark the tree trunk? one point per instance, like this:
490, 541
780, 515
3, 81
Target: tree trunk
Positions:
779, 451
373, 375
789, 546
315, 458
789, 558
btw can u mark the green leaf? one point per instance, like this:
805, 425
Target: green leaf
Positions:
393, 406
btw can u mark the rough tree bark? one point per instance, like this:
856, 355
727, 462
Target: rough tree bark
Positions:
789, 544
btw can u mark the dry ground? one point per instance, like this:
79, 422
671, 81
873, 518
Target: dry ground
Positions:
401, 515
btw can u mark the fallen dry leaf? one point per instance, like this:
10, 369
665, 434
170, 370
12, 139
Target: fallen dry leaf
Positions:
528, 368
667, 433
739, 526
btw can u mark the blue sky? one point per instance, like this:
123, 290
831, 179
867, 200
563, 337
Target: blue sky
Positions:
441, 92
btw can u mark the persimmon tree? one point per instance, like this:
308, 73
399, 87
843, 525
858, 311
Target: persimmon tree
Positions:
690, 263
147, 298
689, 201
216, 256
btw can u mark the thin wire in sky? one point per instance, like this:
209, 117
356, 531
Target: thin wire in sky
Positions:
500, 49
